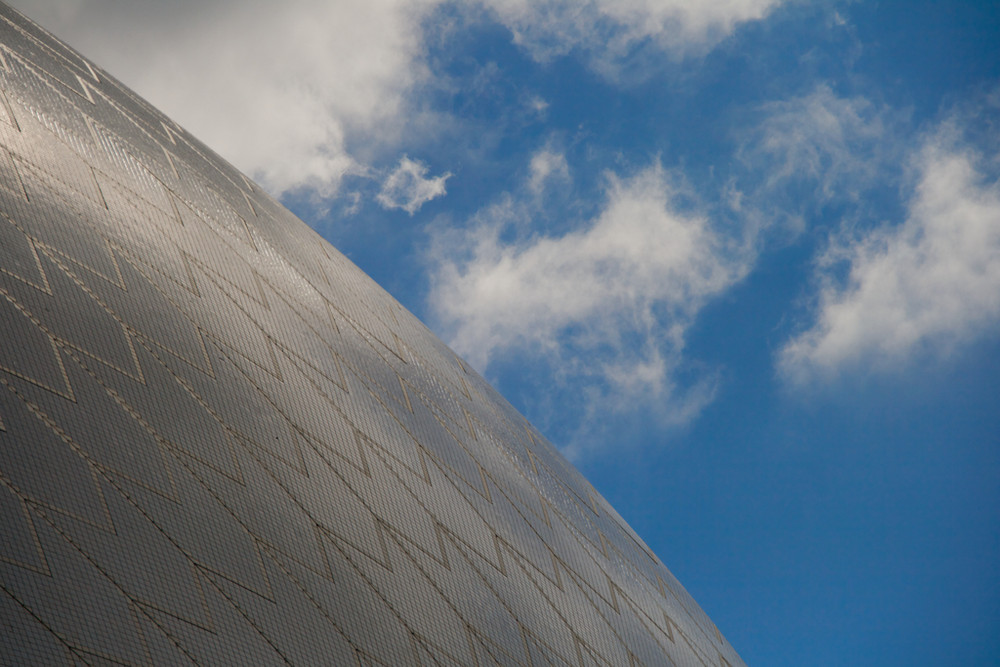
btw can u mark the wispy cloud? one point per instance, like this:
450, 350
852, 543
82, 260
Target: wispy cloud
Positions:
407, 188
919, 288
607, 305
547, 165
810, 151
611, 29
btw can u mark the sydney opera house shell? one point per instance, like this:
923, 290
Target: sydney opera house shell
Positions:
222, 443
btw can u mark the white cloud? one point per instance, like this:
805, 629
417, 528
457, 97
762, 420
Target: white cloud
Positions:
406, 187
276, 90
538, 105
612, 28
293, 95
607, 305
546, 165
922, 287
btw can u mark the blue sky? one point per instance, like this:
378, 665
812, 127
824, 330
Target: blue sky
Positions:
739, 259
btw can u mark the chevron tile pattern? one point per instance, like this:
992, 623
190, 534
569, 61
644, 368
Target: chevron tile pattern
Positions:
222, 443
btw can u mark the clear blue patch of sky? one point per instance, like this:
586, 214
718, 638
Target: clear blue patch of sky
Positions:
857, 527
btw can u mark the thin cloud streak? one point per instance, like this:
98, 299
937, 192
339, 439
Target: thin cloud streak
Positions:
806, 155
835, 142
611, 29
